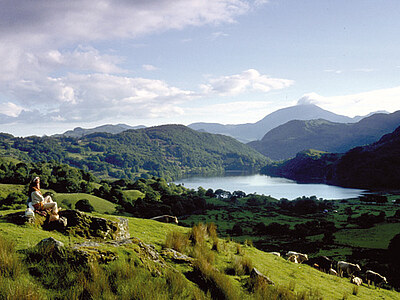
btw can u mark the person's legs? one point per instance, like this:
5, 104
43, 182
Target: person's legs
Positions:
48, 199
52, 206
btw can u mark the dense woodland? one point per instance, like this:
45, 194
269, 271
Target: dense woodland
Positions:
169, 151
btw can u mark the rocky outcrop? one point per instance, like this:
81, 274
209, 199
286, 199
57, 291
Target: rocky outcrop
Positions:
88, 226
74, 222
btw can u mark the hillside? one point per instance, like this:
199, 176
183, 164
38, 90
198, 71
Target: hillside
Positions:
108, 128
143, 267
255, 131
170, 151
374, 166
285, 141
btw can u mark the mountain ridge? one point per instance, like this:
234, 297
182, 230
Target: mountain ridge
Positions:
374, 166
254, 131
295, 136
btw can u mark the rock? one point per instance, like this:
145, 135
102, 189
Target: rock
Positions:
51, 247
59, 225
258, 278
87, 226
177, 256
151, 252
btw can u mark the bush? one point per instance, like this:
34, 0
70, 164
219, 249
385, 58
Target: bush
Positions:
177, 241
84, 205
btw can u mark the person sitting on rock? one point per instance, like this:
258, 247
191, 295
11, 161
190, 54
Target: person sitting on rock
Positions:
41, 203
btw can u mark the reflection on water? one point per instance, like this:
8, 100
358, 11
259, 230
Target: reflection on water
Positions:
273, 186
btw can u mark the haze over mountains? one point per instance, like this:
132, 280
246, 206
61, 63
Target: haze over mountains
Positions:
255, 131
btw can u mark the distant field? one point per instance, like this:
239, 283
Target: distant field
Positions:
377, 237
100, 205
6, 189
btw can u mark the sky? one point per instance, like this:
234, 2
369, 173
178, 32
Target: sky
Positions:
87, 63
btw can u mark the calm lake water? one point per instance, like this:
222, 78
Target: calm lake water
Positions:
273, 186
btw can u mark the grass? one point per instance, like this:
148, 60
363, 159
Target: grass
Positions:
299, 280
6, 189
133, 195
377, 237
100, 205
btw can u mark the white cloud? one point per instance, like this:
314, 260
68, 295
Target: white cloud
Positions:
357, 104
249, 80
10, 109
41, 21
149, 68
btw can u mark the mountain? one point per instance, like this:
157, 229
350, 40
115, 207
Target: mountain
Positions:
109, 128
255, 131
170, 151
375, 166
294, 136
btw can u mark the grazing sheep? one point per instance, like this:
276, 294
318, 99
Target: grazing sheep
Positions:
332, 272
374, 277
356, 280
348, 267
300, 256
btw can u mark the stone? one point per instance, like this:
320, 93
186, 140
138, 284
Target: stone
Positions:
177, 256
88, 226
257, 277
50, 247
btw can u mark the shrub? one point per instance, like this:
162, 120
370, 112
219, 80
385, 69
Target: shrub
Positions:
84, 205
198, 234
240, 266
177, 241
214, 282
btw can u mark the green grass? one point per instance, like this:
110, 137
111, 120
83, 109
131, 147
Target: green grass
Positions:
100, 205
300, 278
133, 195
6, 189
377, 237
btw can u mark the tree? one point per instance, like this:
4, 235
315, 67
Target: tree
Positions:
84, 205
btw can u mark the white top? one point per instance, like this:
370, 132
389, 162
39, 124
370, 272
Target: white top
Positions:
36, 197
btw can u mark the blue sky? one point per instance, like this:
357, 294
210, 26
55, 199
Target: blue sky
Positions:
87, 63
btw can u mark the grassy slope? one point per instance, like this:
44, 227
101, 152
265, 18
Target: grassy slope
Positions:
6, 189
100, 205
301, 277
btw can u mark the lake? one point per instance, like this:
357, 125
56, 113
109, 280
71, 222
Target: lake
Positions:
273, 186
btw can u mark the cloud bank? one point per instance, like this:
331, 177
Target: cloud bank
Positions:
50, 73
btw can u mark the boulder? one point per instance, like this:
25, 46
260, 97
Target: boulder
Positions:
88, 226
257, 278
177, 256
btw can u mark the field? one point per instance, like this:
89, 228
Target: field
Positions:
100, 205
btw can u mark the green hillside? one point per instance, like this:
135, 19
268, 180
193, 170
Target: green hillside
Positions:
100, 205
286, 140
374, 166
225, 269
169, 151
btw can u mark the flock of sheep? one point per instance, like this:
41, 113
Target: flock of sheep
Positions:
325, 264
